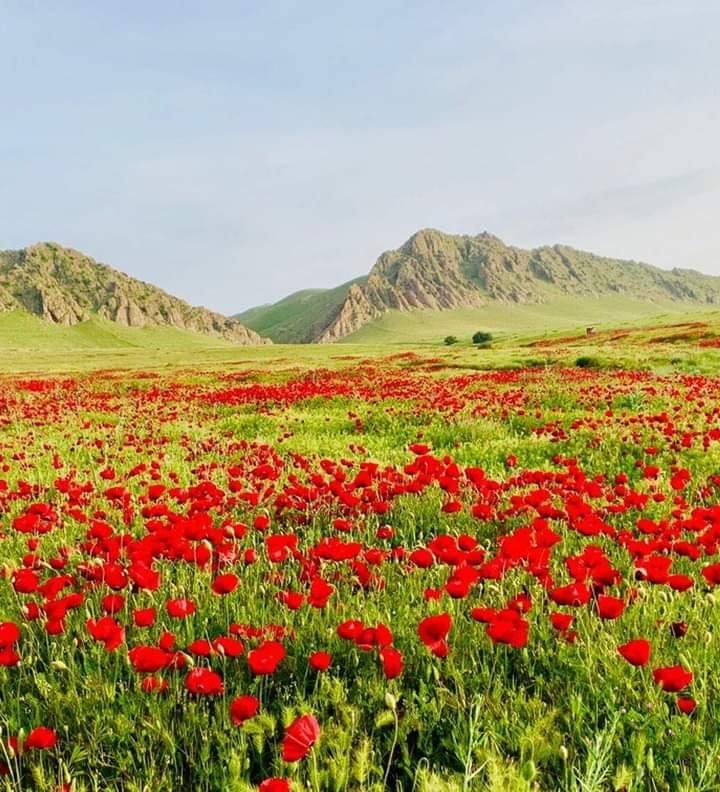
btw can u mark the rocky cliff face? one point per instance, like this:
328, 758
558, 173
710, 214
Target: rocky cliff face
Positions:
440, 271
66, 287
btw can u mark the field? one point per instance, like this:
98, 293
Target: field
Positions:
363, 567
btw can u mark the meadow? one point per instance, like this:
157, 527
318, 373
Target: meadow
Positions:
363, 567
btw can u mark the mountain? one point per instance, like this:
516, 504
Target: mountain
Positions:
66, 287
434, 271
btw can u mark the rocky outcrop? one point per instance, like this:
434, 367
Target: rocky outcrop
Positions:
438, 271
66, 287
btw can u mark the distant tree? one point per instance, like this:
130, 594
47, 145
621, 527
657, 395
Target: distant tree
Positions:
482, 337
450, 340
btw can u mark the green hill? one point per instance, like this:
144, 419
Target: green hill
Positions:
439, 283
299, 317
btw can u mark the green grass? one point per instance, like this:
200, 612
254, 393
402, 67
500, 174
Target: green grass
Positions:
565, 313
20, 331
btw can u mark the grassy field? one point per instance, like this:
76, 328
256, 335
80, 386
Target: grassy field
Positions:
549, 334
511, 321
354, 568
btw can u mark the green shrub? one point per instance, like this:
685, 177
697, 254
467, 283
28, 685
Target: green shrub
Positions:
587, 361
482, 337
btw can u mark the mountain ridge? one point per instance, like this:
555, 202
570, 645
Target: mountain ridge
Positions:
436, 271
66, 287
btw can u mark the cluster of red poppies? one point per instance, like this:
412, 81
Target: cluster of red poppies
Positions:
318, 525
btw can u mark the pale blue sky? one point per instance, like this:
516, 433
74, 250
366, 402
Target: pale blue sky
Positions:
232, 152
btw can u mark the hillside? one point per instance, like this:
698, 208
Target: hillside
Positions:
477, 276
300, 317
67, 288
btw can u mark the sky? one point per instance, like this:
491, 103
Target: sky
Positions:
233, 152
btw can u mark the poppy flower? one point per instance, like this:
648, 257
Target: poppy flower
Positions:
243, 708
204, 682
686, 705
9, 634
42, 738
8, 657
711, 573
678, 629
144, 617
561, 621
320, 591
228, 646
180, 608
392, 662
225, 584
673, 679
320, 661
300, 736
201, 647
636, 652
274, 785
350, 630
433, 631
106, 631
113, 603
149, 659
609, 607
266, 658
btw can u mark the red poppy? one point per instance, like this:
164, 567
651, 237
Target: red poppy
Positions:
508, 627
686, 705
320, 591
180, 608
350, 630
225, 584
673, 679
8, 657
144, 617
243, 708
266, 658
320, 661
274, 785
392, 661
609, 607
561, 621
113, 603
42, 738
228, 646
300, 736
433, 632
636, 652
106, 631
149, 659
9, 634
711, 573
204, 682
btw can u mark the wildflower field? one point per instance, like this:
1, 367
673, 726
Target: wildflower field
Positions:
385, 573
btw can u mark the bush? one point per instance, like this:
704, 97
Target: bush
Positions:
482, 337
450, 340
586, 361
